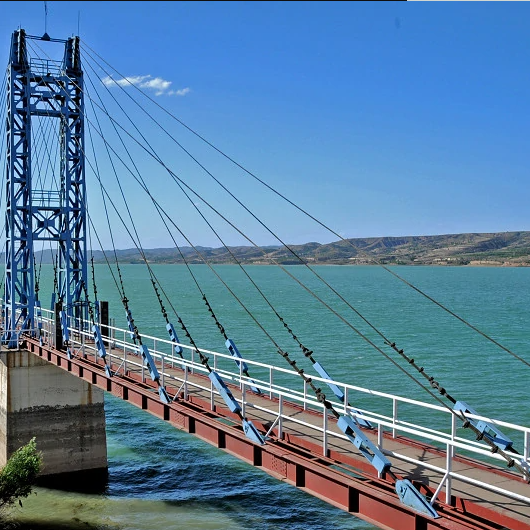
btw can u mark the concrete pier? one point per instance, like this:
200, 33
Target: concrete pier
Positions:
64, 413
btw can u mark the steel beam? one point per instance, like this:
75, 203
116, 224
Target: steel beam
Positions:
45, 90
366, 497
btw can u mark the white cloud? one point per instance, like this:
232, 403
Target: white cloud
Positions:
180, 92
157, 84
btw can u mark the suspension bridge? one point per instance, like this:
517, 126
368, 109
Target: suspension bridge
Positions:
458, 470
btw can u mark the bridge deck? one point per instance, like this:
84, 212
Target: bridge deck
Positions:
341, 476
467, 497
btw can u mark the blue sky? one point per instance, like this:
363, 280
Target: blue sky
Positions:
379, 119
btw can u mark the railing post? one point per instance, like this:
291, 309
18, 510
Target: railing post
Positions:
212, 397
526, 445
394, 416
448, 470
446, 479
270, 382
243, 399
280, 418
113, 334
325, 437
305, 394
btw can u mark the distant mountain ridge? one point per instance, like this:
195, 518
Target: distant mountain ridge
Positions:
500, 249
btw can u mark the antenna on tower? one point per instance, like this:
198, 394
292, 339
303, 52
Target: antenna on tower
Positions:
45, 36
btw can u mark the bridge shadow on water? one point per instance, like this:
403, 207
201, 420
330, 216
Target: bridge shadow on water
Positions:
36, 525
92, 482
87, 483
160, 477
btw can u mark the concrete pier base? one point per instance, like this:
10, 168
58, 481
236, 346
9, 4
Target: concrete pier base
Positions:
64, 413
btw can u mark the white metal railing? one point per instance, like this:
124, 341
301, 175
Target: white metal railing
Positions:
46, 66
123, 352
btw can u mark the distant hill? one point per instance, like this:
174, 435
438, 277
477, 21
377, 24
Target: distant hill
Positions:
500, 249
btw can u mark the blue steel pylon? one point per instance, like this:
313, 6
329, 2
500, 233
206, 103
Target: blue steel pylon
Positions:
52, 90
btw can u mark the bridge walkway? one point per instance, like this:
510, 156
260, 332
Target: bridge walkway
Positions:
306, 449
304, 432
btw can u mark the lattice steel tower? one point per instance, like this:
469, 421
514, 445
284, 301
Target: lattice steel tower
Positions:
44, 89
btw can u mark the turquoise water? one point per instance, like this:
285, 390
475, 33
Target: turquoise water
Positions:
161, 477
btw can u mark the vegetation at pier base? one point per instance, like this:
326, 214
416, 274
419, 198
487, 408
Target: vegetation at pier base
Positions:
19, 475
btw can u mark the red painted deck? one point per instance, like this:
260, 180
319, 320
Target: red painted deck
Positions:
342, 477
